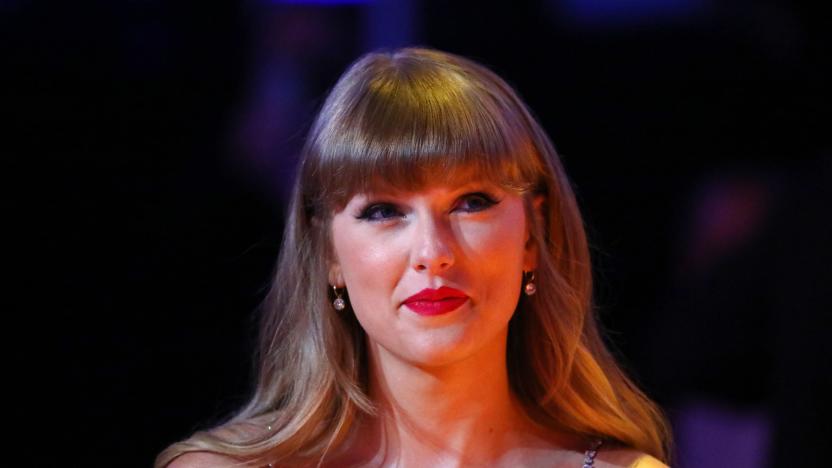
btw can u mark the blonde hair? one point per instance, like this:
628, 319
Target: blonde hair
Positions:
398, 118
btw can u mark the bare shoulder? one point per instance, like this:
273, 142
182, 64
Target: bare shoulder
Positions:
646, 461
626, 458
203, 460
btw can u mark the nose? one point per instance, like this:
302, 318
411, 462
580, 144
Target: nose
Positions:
433, 247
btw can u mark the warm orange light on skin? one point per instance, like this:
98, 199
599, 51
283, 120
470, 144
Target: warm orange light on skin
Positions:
434, 240
428, 373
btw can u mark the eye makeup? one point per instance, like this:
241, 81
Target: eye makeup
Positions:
380, 210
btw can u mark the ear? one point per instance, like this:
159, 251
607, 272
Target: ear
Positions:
532, 249
336, 278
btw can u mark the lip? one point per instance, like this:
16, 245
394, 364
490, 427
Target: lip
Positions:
436, 301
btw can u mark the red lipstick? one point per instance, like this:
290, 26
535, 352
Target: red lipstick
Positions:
436, 301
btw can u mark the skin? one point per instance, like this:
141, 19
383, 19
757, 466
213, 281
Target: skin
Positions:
441, 236
441, 380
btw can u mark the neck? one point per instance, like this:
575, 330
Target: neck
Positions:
456, 414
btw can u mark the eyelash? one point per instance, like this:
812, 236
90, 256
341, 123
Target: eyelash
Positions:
369, 213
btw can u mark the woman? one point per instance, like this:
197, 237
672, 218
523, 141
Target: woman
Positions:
432, 302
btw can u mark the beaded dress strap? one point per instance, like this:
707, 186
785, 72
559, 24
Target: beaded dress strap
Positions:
589, 455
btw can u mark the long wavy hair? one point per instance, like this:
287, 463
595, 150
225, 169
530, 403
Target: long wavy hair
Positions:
399, 119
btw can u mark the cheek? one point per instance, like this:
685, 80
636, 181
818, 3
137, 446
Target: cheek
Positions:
498, 253
497, 245
370, 265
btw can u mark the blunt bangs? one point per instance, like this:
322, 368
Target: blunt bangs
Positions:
406, 121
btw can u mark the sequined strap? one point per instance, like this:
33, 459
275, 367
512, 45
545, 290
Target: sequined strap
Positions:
589, 455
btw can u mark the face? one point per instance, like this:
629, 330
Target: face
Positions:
434, 275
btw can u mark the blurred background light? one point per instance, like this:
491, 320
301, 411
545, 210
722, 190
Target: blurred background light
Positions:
320, 2
624, 12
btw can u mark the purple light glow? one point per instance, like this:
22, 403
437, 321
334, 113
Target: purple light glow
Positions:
612, 12
320, 2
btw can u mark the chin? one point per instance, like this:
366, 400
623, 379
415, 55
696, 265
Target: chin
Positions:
439, 349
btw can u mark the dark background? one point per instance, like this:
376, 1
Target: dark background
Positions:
151, 147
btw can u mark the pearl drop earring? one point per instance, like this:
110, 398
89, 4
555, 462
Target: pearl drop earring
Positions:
530, 288
339, 303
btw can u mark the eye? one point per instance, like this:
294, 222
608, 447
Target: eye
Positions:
379, 212
475, 202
